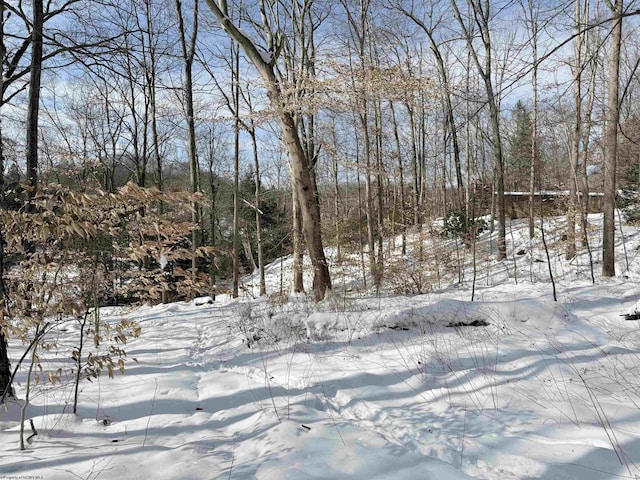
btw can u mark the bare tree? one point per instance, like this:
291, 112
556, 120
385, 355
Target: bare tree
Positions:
235, 102
579, 45
431, 21
35, 77
360, 26
481, 15
531, 12
188, 46
264, 59
611, 140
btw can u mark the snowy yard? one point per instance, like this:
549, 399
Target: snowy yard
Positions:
362, 387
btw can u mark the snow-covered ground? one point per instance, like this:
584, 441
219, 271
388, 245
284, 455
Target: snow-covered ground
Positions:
363, 386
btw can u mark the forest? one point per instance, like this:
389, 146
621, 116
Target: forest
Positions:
158, 151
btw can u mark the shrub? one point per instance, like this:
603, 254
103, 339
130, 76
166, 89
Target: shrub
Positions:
458, 225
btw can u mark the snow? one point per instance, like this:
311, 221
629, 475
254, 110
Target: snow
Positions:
361, 386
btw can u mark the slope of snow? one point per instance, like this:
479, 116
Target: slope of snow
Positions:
360, 386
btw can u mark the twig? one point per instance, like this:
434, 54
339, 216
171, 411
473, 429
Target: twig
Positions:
33, 429
153, 402
35, 340
233, 457
23, 410
464, 431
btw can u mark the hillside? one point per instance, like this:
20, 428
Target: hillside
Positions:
366, 385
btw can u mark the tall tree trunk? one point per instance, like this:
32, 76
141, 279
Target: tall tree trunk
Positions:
298, 279
533, 19
311, 226
212, 212
35, 76
448, 104
258, 212
396, 136
188, 53
139, 151
3, 52
236, 197
482, 16
6, 389
368, 191
467, 145
586, 136
576, 134
360, 210
534, 153
363, 116
499, 169
303, 183
611, 143
380, 194
336, 193
151, 74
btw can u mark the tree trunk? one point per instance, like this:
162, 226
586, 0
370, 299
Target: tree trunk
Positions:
311, 226
499, 169
212, 211
33, 111
2, 56
449, 117
336, 193
257, 200
236, 206
611, 145
303, 183
298, 279
482, 16
2, 180
6, 388
248, 252
575, 134
396, 136
151, 74
534, 121
380, 195
586, 136
188, 53
414, 164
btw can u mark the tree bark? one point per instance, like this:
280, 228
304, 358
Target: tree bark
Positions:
380, 194
611, 143
298, 279
414, 165
2, 56
212, 212
236, 175
531, 18
248, 252
396, 136
35, 76
257, 200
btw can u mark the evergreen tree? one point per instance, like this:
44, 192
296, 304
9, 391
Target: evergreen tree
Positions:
519, 158
275, 221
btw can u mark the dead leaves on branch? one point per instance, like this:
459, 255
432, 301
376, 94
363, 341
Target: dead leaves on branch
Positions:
67, 252
341, 86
